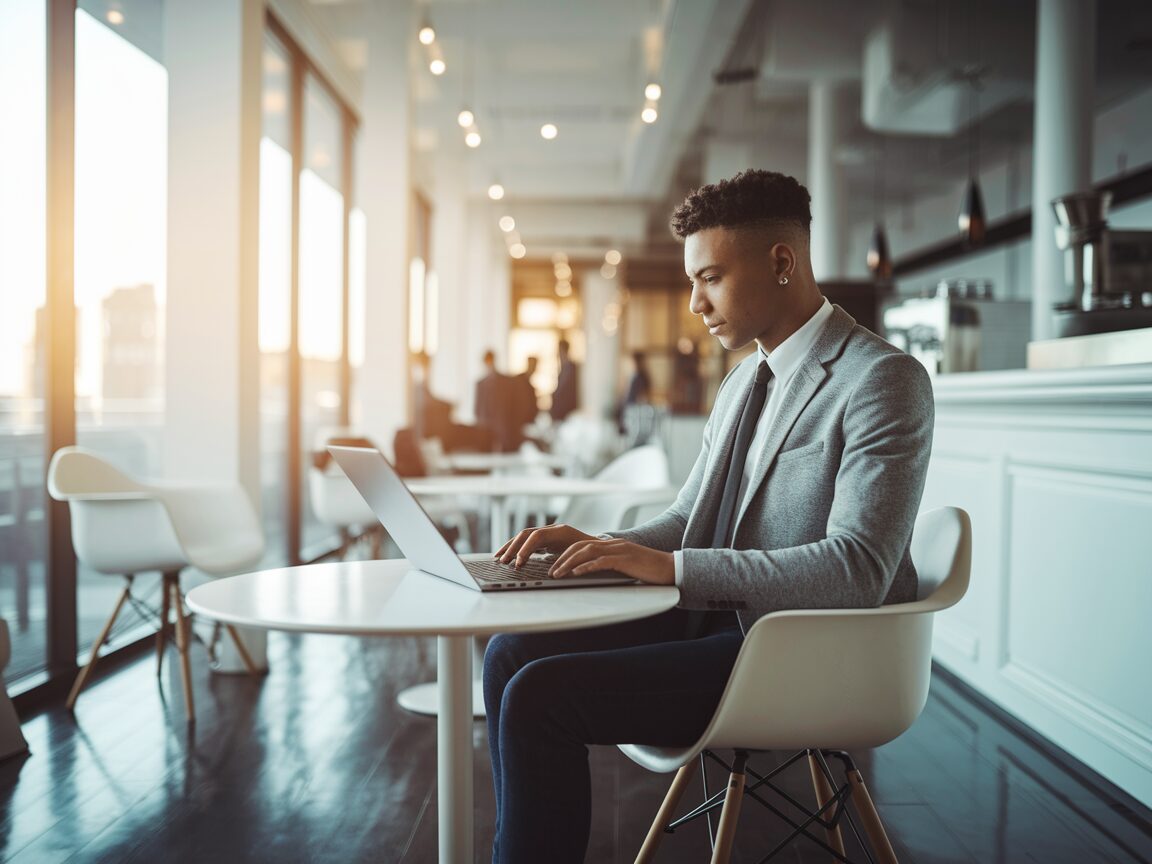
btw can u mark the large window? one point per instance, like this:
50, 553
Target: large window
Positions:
120, 259
311, 280
321, 335
22, 321
275, 296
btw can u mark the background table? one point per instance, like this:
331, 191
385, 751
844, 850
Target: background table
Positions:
506, 462
498, 488
389, 598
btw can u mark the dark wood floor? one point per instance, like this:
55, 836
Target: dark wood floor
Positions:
316, 763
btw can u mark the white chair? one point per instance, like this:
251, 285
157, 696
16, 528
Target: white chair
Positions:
336, 503
823, 681
123, 526
589, 441
644, 470
12, 740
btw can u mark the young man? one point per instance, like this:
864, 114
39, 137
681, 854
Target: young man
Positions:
804, 495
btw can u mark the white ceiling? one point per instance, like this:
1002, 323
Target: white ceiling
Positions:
583, 65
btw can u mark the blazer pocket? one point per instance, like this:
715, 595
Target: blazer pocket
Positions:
811, 449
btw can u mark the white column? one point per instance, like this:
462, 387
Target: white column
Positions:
825, 180
486, 301
452, 366
213, 52
385, 195
598, 378
1062, 138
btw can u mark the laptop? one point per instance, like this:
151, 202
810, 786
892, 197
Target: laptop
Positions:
422, 544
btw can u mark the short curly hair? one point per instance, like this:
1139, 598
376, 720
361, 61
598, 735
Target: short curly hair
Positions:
751, 198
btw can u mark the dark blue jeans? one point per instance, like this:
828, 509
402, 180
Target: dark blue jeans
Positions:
548, 695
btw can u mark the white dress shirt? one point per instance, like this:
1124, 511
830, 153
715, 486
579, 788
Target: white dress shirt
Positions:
783, 361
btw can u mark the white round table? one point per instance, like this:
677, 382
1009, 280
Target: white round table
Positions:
389, 598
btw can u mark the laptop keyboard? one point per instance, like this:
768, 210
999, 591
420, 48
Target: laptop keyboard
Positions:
495, 571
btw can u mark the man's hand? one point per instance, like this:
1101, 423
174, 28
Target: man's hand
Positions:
580, 553
554, 538
631, 559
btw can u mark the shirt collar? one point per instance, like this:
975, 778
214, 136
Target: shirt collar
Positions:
789, 354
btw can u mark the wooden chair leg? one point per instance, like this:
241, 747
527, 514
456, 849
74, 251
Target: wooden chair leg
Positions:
873, 827
162, 633
82, 678
823, 796
182, 639
244, 655
726, 831
664, 816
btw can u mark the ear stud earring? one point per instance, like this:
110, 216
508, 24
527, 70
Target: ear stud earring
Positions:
783, 280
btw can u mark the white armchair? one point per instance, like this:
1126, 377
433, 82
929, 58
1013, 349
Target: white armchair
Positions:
123, 526
824, 681
645, 471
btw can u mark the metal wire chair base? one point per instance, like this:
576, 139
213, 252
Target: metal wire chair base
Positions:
828, 817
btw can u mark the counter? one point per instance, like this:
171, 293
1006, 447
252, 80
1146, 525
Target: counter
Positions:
1055, 468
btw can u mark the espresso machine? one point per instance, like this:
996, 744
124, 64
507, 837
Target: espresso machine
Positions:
1107, 274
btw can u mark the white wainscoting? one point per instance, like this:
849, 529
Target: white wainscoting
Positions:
1055, 469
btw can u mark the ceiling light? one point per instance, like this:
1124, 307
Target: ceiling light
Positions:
612, 257
495, 191
549, 131
608, 271
563, 288
507, 223
437, 67
517, 250
115, 16
427, 35
465, 118
649, 115
652, 91
472, 139
563, 272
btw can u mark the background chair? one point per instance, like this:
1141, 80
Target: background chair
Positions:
123, 526
12, 740
823, 682
644, 470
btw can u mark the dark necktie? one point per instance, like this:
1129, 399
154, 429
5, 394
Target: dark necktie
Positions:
744, 434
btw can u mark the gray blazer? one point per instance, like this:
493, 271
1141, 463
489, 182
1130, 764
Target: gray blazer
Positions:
836, 489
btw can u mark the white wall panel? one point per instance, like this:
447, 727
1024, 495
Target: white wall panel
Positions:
1055, 469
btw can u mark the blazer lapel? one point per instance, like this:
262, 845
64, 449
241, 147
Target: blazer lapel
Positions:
803, 387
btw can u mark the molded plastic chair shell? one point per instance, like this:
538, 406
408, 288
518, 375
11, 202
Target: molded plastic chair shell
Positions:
644, 470
123, 525
335, 500
118, 526
836, 678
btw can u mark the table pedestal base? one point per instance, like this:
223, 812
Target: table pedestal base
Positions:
454, 748
425, 699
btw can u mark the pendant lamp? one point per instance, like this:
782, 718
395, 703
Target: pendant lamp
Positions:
972, 222
879, 260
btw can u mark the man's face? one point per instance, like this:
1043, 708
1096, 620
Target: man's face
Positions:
734, 285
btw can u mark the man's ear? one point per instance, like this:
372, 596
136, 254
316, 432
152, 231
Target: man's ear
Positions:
783, 260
